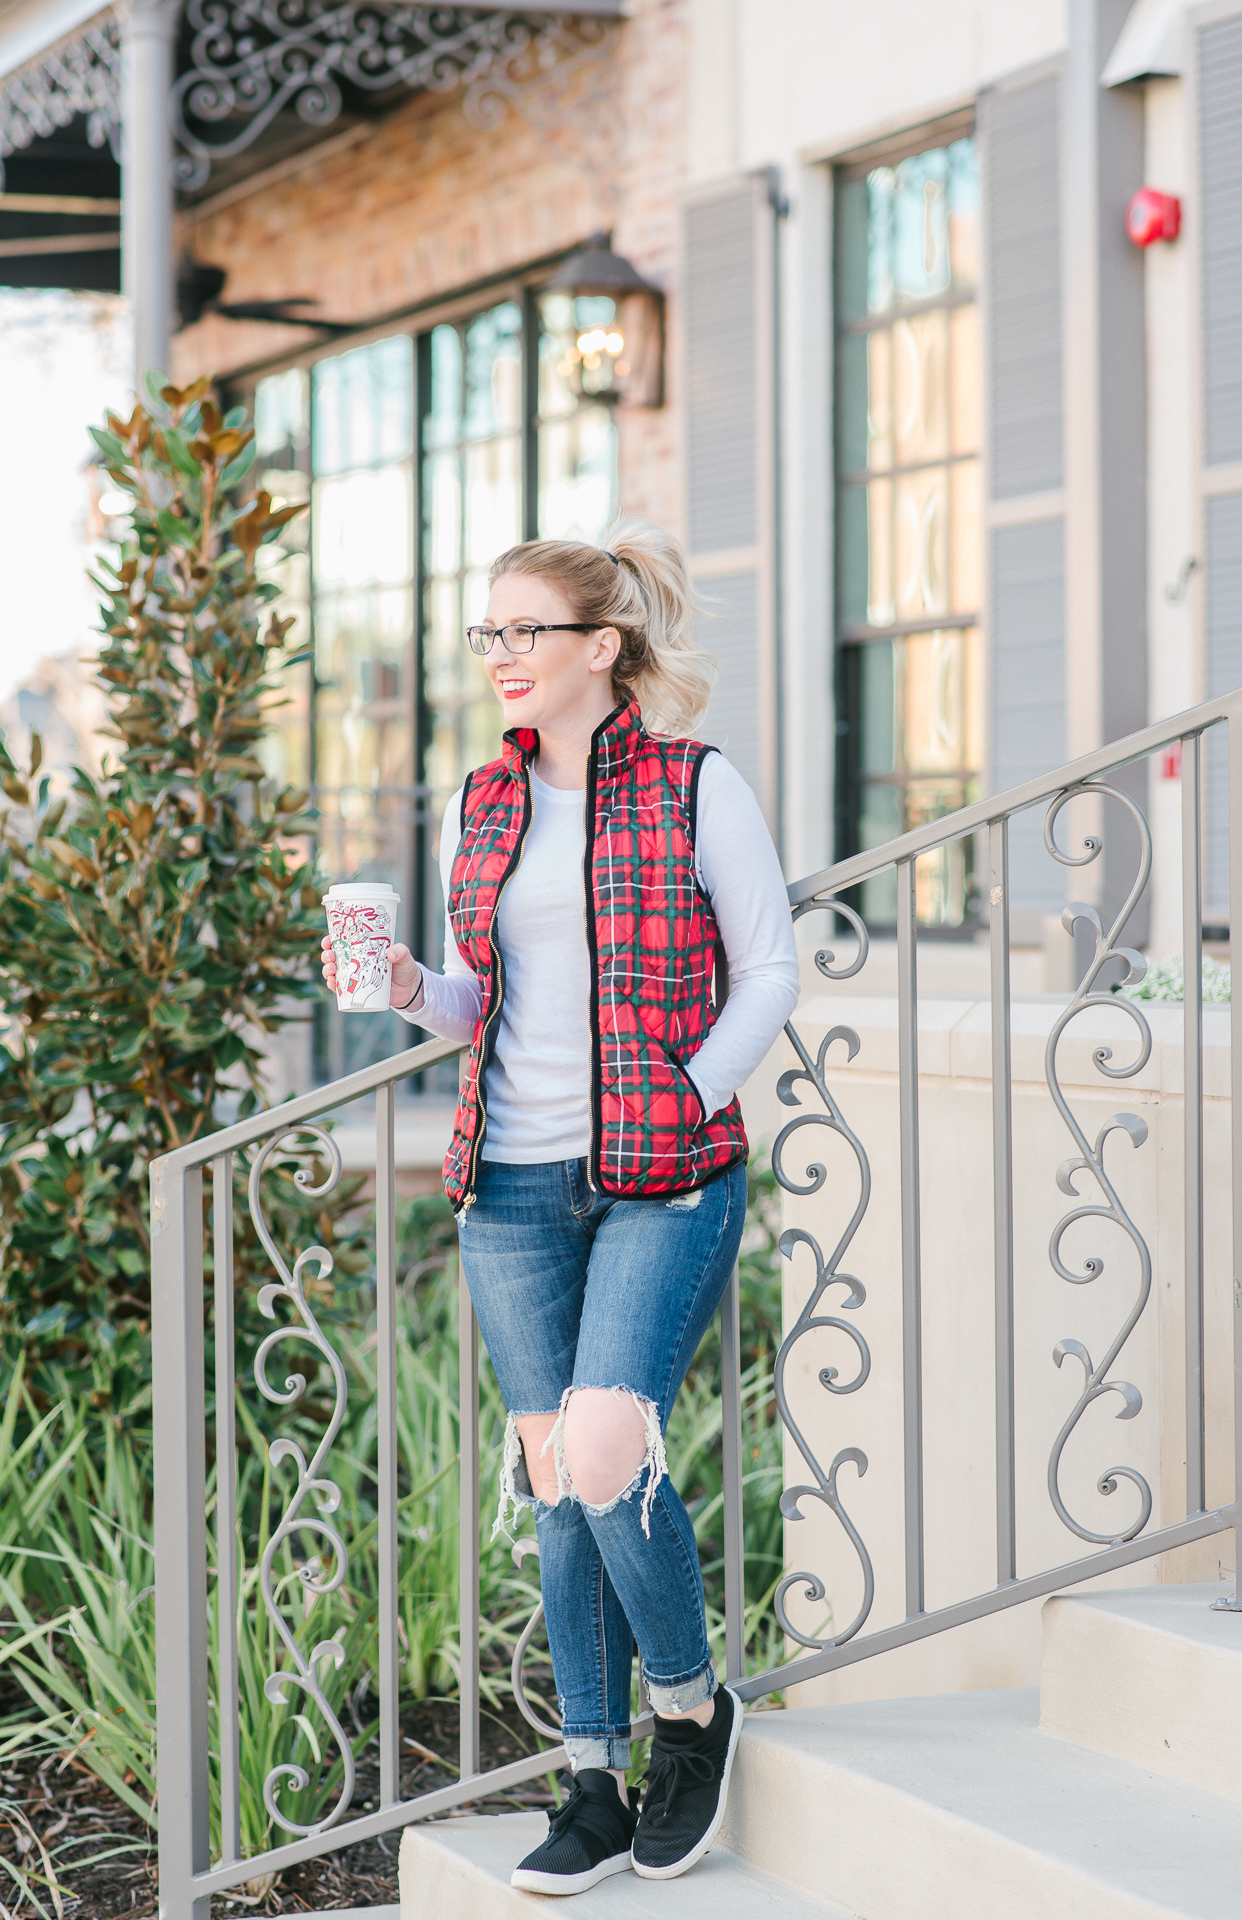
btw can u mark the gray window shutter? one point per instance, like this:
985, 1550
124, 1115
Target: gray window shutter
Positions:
1028, 691
1223, 649
1020, 136
1220, 160
1220, 133
1021, 133
726, 352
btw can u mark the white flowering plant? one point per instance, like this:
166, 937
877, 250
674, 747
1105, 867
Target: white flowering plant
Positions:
1166, 980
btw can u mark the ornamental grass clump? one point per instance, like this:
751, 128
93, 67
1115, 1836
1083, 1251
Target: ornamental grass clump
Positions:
159, 921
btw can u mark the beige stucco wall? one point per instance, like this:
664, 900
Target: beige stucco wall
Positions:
958, 1319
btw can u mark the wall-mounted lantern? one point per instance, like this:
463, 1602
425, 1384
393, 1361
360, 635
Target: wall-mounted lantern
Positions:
615, 337
1153, 216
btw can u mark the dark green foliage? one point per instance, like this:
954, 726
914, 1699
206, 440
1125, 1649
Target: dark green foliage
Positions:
158, 921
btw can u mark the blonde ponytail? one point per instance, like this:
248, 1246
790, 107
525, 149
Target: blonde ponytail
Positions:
638, 583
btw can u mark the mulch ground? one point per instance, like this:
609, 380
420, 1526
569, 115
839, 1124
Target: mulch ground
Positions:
109, 1871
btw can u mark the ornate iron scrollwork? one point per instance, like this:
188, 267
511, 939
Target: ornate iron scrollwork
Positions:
827, 1274
1090, 1159
253, 59
295, 1520
79, 75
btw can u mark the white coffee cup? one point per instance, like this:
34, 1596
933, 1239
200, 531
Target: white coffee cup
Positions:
362, 924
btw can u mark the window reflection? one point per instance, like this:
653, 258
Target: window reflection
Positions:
420, 459
913, 755
282, 469
577, 449
472, 510
362, 564
909, 506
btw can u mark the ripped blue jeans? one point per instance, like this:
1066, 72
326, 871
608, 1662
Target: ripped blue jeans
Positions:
574, 1289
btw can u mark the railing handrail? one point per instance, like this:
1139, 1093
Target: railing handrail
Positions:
828, 881
952, 826
181, 1405
244, 1133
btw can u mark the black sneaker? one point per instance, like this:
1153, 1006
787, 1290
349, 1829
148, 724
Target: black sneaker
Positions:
687, 1783
587, 1840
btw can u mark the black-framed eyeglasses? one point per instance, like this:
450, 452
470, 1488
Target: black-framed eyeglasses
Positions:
518, 639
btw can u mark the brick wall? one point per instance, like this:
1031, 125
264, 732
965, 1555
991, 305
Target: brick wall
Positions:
423, 203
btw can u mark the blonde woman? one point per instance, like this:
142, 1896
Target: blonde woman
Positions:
598, 1157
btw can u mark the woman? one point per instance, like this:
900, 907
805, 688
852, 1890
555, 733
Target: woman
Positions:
598, 1158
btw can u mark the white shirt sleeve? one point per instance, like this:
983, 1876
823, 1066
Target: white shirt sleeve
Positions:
741, 875
451, 1000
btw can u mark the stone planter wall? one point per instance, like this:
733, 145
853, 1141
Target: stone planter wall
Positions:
958, 1321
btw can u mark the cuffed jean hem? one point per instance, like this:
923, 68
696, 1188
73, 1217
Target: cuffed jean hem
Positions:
597, 1750
683, 1695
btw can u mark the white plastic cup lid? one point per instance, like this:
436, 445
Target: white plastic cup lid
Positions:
360, 890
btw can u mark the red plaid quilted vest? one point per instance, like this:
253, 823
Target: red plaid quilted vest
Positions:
652, 937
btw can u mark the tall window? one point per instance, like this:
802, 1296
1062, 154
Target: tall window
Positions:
423, 455
909, 512
362, 601
282, 468
472, 510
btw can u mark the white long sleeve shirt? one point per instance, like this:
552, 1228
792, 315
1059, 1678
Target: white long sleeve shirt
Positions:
539, 1077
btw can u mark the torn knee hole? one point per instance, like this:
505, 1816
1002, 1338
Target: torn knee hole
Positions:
518, 1486
540, 1480
588, 1462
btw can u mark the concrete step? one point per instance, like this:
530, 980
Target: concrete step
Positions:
960, 1808
1151, 1675
459, 1870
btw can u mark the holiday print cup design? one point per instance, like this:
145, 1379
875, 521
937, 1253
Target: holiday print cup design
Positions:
362, 924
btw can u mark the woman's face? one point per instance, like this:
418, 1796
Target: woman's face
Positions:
566, 677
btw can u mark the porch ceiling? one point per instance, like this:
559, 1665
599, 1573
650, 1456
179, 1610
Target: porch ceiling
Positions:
272, 79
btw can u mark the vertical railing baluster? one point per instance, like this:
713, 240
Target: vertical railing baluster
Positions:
911, 1258
468, 1445
1192, 1052
226, 1510
1002, 1199
731, 1433
180, 1462
387, 1678
1234, 724
731, 1469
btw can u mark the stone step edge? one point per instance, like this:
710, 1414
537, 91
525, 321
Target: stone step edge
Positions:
986, 1862
1128, 1675
722, 1884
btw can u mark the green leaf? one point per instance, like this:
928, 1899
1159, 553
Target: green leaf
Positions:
109, 445
179, 453
237, 469
177, 533
229, 1051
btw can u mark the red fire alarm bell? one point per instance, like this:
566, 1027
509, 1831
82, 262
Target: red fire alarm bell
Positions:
1153, 216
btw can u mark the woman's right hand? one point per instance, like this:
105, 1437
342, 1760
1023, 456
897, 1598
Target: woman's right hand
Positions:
407, 975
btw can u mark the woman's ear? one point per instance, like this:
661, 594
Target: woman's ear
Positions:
606, 647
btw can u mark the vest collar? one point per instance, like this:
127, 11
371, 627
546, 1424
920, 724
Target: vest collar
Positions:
614, 744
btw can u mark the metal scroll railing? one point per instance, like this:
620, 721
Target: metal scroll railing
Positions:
198, 1682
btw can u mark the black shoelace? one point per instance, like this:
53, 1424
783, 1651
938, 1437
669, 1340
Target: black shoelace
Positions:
672, 1770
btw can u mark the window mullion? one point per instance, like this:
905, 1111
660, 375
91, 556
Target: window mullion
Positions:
530, 415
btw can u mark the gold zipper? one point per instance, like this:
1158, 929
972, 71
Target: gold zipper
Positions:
480, 1081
